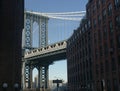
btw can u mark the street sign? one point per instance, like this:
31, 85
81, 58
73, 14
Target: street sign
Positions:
57, 81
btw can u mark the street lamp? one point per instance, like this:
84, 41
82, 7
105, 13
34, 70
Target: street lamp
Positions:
5, 86
16, 86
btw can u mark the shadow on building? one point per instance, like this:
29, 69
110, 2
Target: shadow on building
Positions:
12, 21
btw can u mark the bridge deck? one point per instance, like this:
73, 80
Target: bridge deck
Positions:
49, 53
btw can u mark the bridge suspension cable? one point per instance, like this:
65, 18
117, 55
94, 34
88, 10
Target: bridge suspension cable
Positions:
75, 16
76, 12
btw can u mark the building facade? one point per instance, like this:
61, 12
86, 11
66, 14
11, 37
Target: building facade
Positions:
93, 51
12, 23
79, 59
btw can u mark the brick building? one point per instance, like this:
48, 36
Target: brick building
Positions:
79, 58
93, 51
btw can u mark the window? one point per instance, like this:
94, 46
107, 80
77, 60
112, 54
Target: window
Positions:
117, 19
103, 1
106, 49
111, 26
87, 63
106, 66
113, 63
108, 86
115, 84
104, 14
96, 53
111, 46
95, 38
91, 74
88, 12
99, 36
118, 41
97, 69
117, 4
105, 33
101, 51
94, 8
101, 68
99, 19
89, 24
94, 22
88, 76
83, 30
109, 9
86, 26
102, 85
98, 4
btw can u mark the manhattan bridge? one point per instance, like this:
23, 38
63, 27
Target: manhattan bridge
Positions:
45, 53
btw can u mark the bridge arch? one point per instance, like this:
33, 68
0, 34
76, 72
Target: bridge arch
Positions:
35, 77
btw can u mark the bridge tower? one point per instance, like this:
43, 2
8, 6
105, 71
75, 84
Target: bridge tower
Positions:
42, 21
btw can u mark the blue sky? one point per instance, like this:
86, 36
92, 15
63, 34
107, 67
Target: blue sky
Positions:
58, 69
55, 5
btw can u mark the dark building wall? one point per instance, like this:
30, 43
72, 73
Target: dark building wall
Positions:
12, 14
103, 25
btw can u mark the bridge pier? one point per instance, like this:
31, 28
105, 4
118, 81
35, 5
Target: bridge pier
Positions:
46, 77
23, 73
30, 76
43, 78
27, 80
39, 76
